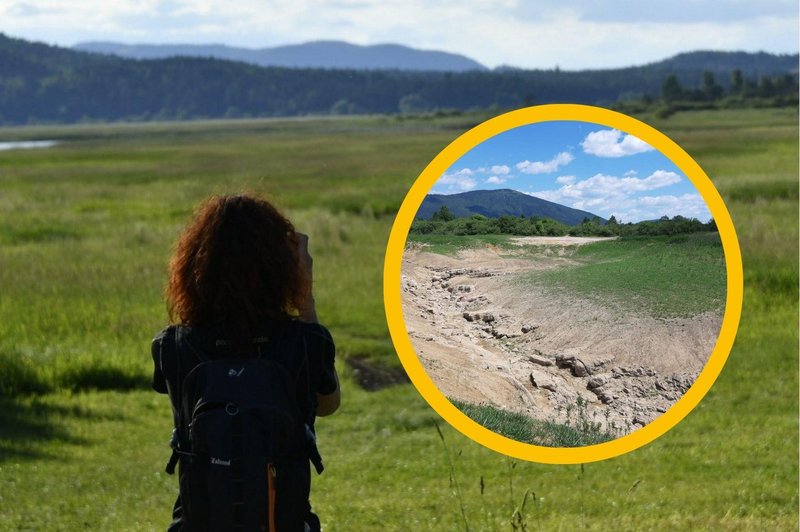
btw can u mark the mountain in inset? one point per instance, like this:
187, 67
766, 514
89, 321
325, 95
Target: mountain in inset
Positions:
503, 202
317, 54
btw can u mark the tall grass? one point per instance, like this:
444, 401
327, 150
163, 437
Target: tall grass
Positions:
575, 429
73, 459
86, 229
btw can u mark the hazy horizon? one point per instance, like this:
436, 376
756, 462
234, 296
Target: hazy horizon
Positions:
584, 35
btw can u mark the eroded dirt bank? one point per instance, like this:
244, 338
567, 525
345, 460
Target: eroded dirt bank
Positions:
485, 337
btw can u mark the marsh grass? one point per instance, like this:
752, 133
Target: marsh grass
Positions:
86, 228
93, 459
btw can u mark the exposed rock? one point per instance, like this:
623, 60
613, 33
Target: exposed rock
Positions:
541, 360
595, 382
605, 397
570, 362
619, 398
579, 369
565, 361
505, 332
541, 379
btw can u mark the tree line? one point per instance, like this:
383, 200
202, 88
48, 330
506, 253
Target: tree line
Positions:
741, 91
48, 84
443, 222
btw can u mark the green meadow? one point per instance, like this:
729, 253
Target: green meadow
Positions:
665, 277
86, 228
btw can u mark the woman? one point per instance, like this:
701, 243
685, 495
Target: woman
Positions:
239, 297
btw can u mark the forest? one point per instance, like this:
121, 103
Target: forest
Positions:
48, 84
443, 222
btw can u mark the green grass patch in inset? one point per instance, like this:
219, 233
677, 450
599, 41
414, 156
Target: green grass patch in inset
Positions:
678, 276
577, 430
452, 244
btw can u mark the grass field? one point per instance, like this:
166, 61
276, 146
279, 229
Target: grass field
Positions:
451, 244
678, 276
86, 228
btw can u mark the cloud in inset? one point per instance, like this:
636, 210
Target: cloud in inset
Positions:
545, 167
606, 195
613, 143
654, 207
495, 180
607, 186
459, 181
500, 169
565, 179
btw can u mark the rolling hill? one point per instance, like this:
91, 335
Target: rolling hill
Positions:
503, 202
317, 54
50, 84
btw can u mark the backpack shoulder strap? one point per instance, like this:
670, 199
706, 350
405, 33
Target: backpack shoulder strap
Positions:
181, 339
311, 438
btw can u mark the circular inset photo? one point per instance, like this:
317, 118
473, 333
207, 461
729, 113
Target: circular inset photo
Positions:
563, 283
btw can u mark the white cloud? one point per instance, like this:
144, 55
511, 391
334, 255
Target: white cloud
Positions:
565, 179
654, 207
532, 34
606, 195
22, 9
458, 181
605, 186
613, 143
545, 167
500, 169
495, 180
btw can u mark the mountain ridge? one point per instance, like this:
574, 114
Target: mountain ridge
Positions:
501, 202
312, 54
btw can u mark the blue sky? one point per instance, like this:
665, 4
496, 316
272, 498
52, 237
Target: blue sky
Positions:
581, 165
542, 34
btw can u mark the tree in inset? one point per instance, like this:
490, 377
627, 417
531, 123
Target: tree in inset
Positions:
443, 215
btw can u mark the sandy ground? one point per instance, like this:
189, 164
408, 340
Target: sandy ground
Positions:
484, 338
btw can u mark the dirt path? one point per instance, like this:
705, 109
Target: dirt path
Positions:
484, 338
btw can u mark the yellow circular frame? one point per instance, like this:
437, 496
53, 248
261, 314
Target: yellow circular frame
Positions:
394, 311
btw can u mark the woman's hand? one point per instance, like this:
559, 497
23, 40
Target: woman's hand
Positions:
308, 312
306, 262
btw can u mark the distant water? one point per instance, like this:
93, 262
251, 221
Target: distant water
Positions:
27, 144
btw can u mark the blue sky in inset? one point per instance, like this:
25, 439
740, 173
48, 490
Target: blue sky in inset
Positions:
581, 165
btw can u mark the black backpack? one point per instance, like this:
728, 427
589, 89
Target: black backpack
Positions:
243, 443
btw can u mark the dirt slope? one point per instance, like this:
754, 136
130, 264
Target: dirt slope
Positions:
484, 338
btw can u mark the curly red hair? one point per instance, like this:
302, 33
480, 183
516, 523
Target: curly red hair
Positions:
237, 266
